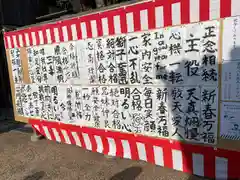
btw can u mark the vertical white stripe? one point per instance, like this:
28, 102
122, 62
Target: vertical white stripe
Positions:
56, 134
126, 149
99, 144
177, 160
176, 13
40, 34
214, 9
159, 16
47, 132
37, 127
48, 33
84, 30
144, 19
15, 41
198, 164
9, 42
27, 39
65, 33
141, 151
130, 22
74, 32
117, 24
158, 155
94, 28
76, 138
105, 26
65, 135
87, 141
20, 38
56, 34
112, 147
34, 42
221, 168
235, 8
194, 10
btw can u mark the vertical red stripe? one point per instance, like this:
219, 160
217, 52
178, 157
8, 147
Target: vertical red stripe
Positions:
69, 31
80, 136
119, 147
93, 142
44, 33
150, 153
167, 157
17, 38
105, 145
24, 38
134, 150
233, 166
209, 164
89, 29
151, 17
99, 27
187, 161
225, 8
41, 129
110, 25
30, 37
52, 34
72, 140
60, 32
53, 138
36, 130
11, 40
167, 14
60, 135
78, 28
204, 10
185, 11
123, 24
37, 37
136, 20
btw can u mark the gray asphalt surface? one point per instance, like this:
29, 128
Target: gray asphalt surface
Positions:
21, 159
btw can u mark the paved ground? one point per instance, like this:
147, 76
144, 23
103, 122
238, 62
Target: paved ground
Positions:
21, 159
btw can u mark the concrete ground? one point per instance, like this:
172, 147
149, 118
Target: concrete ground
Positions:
21, 159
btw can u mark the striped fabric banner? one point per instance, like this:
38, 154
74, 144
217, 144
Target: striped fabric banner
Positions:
194, 159
132, 18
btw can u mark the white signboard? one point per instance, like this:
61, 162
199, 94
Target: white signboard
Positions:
231, 59
159, 83
231, 80
230, 121
231, 39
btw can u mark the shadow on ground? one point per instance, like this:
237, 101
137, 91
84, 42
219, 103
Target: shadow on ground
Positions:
129, 173
7, 122
132, 173
35, 176
12, 125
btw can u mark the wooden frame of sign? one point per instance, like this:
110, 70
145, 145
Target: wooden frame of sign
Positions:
26, 79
